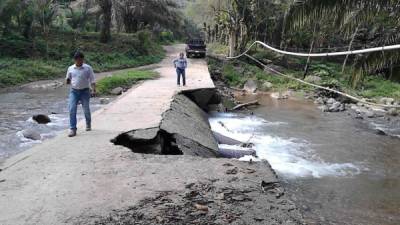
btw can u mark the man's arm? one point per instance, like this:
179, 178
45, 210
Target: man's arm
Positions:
68, 77
92, 81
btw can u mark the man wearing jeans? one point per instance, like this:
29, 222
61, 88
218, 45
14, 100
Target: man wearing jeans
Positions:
181, 65
81, 78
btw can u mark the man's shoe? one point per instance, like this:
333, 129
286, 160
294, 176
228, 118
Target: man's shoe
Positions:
72, 133
88, 128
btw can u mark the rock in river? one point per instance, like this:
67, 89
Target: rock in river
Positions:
41, 119
387, 101
250, 86
31, 134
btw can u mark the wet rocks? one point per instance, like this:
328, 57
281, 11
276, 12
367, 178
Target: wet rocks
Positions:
330, 105
393, 112
31, 134
250, 86
117, 91
104, 101
387, 101
41, 119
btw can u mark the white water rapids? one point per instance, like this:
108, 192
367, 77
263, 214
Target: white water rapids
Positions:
291, 157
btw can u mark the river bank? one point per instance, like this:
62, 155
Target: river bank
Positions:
337, 167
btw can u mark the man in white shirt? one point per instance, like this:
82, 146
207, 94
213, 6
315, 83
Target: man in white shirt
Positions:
181, 65
81, 78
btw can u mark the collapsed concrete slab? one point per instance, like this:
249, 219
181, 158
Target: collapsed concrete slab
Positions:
184, 130
203, 97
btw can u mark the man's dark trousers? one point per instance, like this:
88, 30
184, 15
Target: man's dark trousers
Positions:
181, 72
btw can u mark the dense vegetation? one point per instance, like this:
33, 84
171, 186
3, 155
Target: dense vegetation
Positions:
38, 37
310, 26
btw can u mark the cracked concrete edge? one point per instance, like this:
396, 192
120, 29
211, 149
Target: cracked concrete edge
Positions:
176, 129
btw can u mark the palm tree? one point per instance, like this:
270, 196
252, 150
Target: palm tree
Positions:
348, 15
136, 14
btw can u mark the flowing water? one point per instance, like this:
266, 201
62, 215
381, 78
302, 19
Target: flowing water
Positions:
17, 108
336, 169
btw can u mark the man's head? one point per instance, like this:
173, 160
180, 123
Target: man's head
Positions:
181, 55
79, 58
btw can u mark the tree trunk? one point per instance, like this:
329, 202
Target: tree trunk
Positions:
106, 7
307, 67
232, 42
349, 49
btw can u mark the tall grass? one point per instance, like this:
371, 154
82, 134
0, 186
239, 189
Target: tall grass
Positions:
124, 80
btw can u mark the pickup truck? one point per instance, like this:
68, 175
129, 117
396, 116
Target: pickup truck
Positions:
196, 48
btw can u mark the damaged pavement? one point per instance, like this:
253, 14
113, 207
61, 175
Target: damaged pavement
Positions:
184, 130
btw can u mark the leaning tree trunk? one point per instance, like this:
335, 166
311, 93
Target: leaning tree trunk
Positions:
349, 49
307, 67
106, 7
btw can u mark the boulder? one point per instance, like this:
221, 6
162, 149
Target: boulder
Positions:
393, 112
324, 108
335, 107
387, 101
104, 101
319, 101
313, 79
31, 134
41, 119
370, 114
250, 86
331, 101
266, 86
117, 91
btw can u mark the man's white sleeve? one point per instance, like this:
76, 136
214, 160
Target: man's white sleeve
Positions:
68, 76
91, 76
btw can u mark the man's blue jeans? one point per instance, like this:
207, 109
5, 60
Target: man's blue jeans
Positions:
76, 96
181, 72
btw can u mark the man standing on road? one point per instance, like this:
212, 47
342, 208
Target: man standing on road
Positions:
81, 78
181, 65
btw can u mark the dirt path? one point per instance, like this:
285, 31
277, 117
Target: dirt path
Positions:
87, 179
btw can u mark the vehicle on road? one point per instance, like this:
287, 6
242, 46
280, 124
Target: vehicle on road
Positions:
196, 48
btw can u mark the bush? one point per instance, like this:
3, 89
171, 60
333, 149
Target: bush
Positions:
166, 37
123, 79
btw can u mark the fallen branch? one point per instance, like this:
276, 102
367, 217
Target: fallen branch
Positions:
245, 105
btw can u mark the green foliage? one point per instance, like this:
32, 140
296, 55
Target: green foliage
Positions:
232, 76
375, 87
23, 61
166, 37
123, 79
16, 71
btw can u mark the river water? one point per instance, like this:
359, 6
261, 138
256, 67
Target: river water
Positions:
336, 169
17, 106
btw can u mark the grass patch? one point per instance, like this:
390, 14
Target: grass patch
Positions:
124, 80
23, 61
